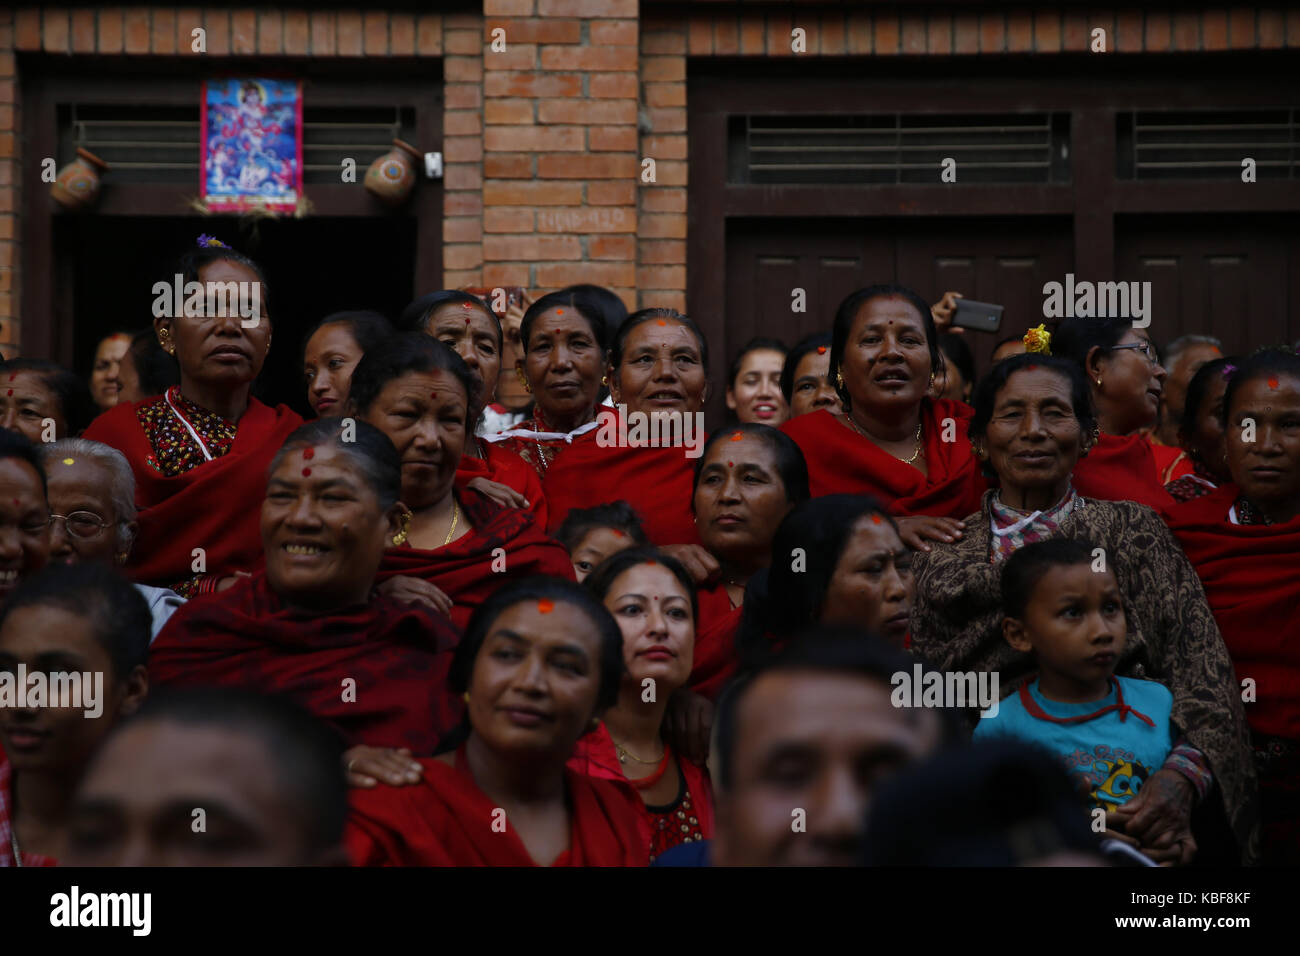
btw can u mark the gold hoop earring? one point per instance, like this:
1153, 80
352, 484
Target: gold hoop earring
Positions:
604, 380
839, 378
399, 539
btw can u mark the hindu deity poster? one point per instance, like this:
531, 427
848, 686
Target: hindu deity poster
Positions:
252, 145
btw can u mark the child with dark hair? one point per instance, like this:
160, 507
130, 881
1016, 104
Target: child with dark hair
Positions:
1063, 605
591, 535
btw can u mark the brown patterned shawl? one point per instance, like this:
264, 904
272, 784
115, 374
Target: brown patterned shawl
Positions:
957, 625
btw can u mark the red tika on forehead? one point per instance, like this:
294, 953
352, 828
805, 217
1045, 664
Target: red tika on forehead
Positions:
545, 606
306, 472
309, 453
661, 322
617, 533
559, 312
1272, 383
737, 436
821, 350
876, 519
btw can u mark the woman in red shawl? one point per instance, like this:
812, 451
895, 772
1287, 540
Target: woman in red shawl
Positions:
1243, 539
894, 442
652, 597
539, 664
642, 451
457, 546
199, 451
746, 482
464, 323
1201, 432
1126, 380
309, 627
565, 344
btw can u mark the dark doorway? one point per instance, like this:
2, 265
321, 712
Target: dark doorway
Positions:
313, 267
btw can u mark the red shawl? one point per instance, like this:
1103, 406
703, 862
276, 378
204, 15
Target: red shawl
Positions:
657, 482
505, 467
1172, 463
840, 461
446, 820
213, 506
1251, 575
715, 642
464, 570
595, 756
398, 654
1121, 468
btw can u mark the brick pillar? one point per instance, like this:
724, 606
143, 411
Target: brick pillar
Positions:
462, 151
560, 161
661, 225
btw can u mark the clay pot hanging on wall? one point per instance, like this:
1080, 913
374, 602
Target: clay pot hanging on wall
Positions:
391, 177
77, 185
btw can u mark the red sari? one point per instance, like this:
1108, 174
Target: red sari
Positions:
691, 819
841, 461
1121, 468
715, 642
464, 569
1251, 575
505, 467
657, 482
1171, 463
213, 506
446, 820
398, 655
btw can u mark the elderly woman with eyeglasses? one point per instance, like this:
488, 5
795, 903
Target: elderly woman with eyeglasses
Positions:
1126, 380
92, 513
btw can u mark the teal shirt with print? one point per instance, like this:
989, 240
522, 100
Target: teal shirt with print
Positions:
1110, 758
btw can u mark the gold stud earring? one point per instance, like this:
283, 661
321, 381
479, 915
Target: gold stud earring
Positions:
399, 539
466, 695
523, 380
1099, 383
604, 380
595, 724
839, 378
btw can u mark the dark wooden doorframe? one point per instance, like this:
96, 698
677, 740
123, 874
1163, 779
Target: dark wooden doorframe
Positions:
47, 325
719, 88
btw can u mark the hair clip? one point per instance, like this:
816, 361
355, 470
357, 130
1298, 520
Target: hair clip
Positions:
206, 240
1228, 370
1038, 340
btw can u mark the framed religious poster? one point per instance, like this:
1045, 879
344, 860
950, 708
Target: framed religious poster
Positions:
252, 144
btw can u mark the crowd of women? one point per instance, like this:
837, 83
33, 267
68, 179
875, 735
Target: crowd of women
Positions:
515, 643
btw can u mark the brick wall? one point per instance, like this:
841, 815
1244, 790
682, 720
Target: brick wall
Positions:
541, 141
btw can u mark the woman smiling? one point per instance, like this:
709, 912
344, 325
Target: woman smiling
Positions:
454, 546
657, 378
1032, 423
310, 626
540, 662
894, 442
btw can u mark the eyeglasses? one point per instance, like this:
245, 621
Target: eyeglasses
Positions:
81, 524
1145, 348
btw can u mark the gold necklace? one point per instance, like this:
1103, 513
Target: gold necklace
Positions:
624, 753
907, 461
455, 515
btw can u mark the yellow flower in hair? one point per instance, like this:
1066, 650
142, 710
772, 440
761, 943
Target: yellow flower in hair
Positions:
1038, 340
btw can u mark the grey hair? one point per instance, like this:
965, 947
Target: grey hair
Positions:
1184, 342
121, 482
